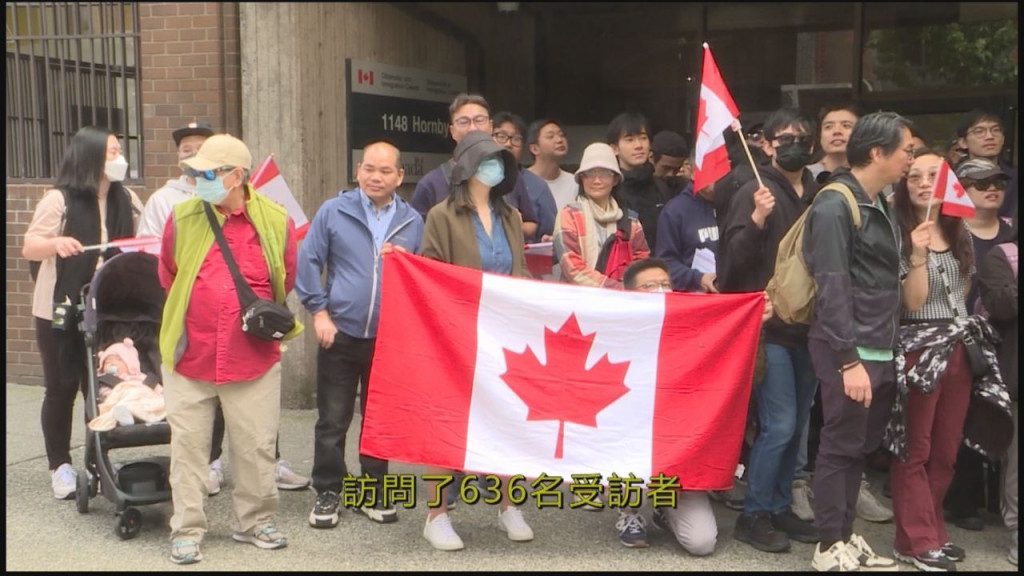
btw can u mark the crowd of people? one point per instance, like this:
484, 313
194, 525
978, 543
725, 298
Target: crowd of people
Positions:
909, 356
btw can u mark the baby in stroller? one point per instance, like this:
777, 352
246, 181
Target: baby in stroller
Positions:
123, 393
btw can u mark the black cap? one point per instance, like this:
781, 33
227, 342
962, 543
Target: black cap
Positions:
668, 143
192, 129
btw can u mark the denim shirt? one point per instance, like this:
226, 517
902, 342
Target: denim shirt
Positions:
377, 220
495, 253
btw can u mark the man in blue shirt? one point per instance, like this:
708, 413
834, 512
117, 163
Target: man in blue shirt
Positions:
347, 236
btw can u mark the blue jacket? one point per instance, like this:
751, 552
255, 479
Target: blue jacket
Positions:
687, 222
340, 239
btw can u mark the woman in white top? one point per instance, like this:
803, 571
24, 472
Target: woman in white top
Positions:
87, 206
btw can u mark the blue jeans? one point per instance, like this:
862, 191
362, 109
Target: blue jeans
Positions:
783, 406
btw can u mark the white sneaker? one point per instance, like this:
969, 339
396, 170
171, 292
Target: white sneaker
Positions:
866, 557
64, 482
512, 523
801, 505
837, 558
441, 535
215, 478
123, 415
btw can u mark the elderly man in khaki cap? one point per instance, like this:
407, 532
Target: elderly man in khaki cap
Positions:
207, 358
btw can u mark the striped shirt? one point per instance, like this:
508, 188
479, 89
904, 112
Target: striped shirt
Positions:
938, 304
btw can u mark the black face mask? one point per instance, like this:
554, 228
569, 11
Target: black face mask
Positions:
675, 183
792, 157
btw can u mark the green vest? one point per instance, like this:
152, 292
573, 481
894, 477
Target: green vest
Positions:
193, 238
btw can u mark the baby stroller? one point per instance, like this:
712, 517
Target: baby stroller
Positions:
124, 300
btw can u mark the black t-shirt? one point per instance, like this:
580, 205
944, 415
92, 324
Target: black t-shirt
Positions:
981, 248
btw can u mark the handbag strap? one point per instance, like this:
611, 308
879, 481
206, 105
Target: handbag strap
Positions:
246, 296
945, 282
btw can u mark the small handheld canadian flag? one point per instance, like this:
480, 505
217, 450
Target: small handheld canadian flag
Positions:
955, 201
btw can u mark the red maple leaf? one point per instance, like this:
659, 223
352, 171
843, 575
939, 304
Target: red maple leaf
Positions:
563, 389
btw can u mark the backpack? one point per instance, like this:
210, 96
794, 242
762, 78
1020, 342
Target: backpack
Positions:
1010, 250
792, 287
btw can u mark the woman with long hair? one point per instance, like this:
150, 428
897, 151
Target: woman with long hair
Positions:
87, 206
476, 228
584, 228
934, 377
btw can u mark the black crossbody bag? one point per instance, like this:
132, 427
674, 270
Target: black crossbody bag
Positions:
262, 318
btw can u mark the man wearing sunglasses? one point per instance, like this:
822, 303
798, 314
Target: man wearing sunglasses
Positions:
758, 218
207, 357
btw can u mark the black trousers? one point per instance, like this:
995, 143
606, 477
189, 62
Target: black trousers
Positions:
849, 434
339, 370
60, 388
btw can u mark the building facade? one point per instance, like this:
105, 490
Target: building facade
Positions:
281, 75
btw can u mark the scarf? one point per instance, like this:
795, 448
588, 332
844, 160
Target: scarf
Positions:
597, 220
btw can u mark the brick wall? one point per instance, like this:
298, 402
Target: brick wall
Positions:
190, 70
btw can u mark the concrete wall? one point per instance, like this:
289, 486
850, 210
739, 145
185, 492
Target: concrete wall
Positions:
293, 89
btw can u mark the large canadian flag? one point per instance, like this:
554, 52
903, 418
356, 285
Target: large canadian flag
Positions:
493, 374
267, 179
955, 201
715, 113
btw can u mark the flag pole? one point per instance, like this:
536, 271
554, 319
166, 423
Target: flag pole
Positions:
739, 132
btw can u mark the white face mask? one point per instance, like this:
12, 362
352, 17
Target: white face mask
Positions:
116, 169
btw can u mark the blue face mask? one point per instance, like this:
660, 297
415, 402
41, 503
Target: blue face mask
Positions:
211, 191
491, 172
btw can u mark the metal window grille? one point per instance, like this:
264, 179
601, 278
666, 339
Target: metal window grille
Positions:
69, 65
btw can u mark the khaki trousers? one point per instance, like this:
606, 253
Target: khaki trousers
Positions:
252, 414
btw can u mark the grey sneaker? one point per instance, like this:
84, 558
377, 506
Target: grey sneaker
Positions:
185, 552
214, 478
869, 508
267, 537
802, 496
287, 479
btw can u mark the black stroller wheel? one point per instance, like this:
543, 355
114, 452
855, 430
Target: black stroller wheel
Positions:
128, 524
82, 493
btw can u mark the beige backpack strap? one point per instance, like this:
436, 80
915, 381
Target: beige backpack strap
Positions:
850, 199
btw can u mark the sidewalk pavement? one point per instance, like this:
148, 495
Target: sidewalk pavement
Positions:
46, 534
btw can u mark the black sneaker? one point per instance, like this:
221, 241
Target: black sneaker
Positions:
758, 531
953, 552
325, 510
795, 528
378, 513
632, 530
930, 561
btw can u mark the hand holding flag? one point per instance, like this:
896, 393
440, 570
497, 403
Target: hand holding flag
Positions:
955, 201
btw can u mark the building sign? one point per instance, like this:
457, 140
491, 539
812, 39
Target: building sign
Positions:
406, 106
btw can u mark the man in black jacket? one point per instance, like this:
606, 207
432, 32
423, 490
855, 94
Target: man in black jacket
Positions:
854, 329
758, 218
629, 136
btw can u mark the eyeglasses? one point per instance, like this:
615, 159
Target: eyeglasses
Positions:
465, 121
918, 179
207, 174
986, 183
981, 131
504, 137
594, 173
665, 286
788, 139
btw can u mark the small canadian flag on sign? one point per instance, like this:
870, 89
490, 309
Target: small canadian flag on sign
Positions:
365, 76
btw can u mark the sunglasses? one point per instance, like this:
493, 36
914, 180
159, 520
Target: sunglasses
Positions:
987, 183
207, 174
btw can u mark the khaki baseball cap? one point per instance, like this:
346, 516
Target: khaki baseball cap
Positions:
218, 151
